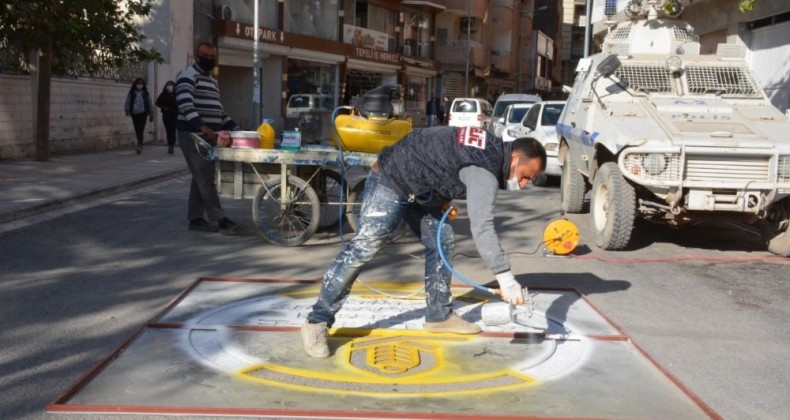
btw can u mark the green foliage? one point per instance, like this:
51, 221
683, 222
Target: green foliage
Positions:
746, 5
86, 35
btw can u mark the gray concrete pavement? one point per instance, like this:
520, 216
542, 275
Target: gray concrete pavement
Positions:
30, 187
708, 304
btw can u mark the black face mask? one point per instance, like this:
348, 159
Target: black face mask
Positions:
206, 64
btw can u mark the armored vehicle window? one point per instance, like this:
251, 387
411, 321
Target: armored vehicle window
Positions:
647, 78
681, 34
726, 80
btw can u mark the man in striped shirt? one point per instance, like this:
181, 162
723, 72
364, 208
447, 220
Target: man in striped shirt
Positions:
200, 111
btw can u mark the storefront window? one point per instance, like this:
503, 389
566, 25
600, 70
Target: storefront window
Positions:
311, 99
318, 18
417, 34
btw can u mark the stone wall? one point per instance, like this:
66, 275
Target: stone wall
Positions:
85, 115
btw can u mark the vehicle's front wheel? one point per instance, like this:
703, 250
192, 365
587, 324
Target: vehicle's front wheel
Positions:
571, 186
776, 228
612, 208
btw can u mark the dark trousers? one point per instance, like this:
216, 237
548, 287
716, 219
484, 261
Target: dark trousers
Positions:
170, 129
203, 194
139, 126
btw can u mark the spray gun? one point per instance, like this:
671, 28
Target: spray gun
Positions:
501, 313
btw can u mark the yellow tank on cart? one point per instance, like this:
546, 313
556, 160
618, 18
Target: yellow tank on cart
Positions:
374, 121
368, 134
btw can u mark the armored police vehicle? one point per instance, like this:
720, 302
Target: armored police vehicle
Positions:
659, 131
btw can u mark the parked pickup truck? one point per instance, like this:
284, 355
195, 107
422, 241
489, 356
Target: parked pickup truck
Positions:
659, 131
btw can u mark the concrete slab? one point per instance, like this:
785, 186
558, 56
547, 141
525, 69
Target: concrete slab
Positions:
232, 347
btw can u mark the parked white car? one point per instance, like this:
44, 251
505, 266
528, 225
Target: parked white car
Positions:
503, 101
540, 123
470, 112
511, 120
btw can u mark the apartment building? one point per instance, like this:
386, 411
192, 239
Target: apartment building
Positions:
342, 48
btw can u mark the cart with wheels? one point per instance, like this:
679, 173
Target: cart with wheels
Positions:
294, 192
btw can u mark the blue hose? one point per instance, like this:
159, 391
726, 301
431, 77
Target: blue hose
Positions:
444, 259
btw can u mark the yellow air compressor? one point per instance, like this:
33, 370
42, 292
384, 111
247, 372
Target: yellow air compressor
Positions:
373, 123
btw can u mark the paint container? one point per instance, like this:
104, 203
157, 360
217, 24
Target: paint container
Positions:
245, 139
267, 134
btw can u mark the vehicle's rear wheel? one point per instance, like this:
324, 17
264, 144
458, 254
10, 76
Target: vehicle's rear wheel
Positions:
571, 186
776, 228
612, 208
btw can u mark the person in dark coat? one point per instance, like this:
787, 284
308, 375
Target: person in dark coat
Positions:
166, 101
430, 110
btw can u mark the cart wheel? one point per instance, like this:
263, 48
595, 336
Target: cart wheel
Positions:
328, 190
355, 198
290, 222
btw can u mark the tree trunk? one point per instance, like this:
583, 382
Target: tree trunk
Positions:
44, 75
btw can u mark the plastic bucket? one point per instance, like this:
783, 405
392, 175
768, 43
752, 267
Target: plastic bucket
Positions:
245, 139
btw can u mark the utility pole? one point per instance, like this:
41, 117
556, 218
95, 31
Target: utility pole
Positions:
256, 71
468, 44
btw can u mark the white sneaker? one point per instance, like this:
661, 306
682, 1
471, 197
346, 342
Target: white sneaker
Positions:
314, 339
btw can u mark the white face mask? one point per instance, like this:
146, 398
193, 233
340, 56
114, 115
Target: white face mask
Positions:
512, 184
169, 88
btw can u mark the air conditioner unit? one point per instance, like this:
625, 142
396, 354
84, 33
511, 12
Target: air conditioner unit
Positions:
468, 21
225, 12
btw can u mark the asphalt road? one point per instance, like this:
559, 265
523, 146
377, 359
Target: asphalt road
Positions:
707, 303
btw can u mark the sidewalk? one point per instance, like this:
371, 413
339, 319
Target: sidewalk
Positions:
30, 187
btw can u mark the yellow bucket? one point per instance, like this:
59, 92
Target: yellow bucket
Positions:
267, 134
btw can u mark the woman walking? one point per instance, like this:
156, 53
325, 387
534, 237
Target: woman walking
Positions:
166, 101
138, 106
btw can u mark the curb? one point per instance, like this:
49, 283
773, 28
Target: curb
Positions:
88, 195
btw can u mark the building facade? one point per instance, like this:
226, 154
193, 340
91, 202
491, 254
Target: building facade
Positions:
339, 49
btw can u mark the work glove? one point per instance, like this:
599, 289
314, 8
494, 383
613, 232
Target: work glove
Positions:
510, 290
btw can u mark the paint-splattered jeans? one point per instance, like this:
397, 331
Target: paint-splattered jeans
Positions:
382, 210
